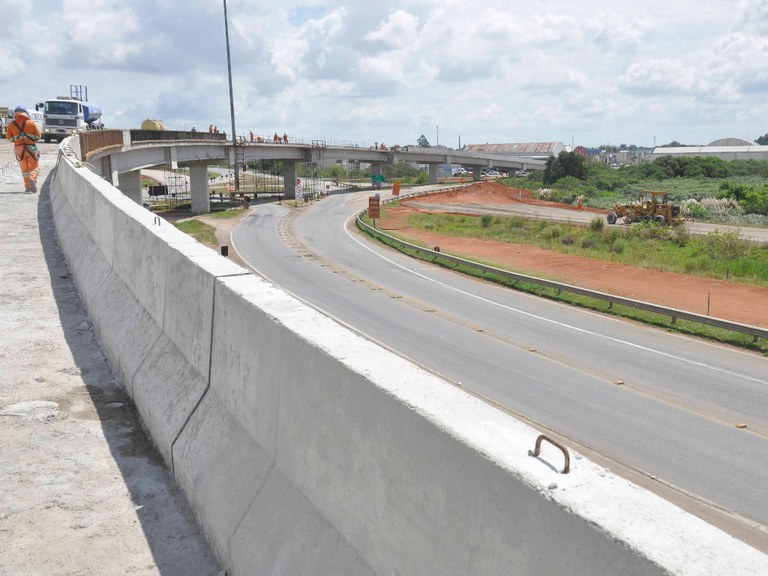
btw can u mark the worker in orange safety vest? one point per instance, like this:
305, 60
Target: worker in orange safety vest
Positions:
23, 132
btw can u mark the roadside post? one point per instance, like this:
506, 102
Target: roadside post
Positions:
299, 196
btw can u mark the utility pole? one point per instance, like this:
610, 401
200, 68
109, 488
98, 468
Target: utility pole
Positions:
231, 100
437, 135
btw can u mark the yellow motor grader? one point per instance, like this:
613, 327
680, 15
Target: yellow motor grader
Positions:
647, 206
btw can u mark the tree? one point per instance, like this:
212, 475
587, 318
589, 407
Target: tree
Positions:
562, 165
423, 142
763, 140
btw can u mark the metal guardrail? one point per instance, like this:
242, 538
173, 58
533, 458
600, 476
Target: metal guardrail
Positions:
431, 255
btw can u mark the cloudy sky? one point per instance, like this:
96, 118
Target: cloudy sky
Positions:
585, 72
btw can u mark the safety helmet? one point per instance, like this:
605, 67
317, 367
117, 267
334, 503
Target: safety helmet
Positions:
21, 108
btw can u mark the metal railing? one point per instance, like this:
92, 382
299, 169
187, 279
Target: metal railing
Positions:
674, 313
93, 141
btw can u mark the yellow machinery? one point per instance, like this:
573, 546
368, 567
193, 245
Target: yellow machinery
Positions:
647, 206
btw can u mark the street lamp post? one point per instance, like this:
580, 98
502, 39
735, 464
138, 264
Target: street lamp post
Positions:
231, 99
437, 135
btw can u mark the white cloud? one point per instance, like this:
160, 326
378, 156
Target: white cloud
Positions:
658, 76
390, 71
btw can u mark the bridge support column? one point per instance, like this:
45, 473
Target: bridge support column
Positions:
129, 183
433, 172
289, 175
476, 176
198, 184
377, 169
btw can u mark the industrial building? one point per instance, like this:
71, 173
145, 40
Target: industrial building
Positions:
724, 148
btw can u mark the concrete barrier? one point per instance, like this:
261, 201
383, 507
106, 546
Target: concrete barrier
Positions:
306, 449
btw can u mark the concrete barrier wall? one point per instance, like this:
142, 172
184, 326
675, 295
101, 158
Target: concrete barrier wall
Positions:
306, 449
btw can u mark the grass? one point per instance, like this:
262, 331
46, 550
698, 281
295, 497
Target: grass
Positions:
200, 231
666, 248
228, 213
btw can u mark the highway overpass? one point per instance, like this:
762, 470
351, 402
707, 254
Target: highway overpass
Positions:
120, 155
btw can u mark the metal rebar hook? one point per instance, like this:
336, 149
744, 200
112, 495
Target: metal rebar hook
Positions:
537, 450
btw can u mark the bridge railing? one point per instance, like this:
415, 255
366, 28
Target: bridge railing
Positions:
93, 141
175, 135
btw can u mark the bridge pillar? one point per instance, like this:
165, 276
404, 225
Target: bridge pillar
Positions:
476, 177
129, 183
434, 169
289, 176
198, 184
377, 168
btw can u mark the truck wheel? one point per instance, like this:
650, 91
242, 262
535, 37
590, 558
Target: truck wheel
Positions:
660, 220
47, 139
611, 217
646, 218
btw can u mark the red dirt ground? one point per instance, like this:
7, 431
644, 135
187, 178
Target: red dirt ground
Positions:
727, 300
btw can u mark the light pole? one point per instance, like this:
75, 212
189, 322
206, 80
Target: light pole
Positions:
437, 135
231, 100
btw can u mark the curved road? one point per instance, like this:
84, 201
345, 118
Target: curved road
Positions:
659, 408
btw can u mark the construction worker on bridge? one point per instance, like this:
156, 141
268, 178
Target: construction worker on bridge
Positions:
24, 133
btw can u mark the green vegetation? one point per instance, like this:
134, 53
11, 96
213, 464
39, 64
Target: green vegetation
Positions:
228, 213
565, 164
200, 231
667, 248
706, 188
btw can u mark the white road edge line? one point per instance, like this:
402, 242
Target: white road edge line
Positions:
544, 319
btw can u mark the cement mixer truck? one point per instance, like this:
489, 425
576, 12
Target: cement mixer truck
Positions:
67, 115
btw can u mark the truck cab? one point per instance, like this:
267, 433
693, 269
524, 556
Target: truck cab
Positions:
62, 117
67, 115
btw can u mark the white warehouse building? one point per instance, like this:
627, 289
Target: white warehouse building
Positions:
724, 148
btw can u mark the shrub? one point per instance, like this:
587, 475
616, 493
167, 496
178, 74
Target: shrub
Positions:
588, 243
551, 232
610, 235
725, 245
680, 235
567, 240
692, 209
486, 220
619, 245
755, 201
597, 224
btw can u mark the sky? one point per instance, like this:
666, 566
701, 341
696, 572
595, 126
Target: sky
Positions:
459, 72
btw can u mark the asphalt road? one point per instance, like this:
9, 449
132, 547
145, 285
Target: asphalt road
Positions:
670, 424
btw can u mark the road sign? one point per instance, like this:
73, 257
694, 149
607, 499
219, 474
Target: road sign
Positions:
374, 206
